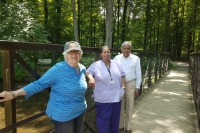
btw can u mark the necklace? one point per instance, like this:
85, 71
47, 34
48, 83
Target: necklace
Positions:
108, 68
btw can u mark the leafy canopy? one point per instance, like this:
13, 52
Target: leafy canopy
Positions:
18, 23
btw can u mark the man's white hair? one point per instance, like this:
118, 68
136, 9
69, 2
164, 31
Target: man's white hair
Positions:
126, 43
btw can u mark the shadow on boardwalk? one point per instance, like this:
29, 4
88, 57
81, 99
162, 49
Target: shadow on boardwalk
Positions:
167, 107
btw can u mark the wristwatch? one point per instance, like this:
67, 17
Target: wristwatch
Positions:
123, 87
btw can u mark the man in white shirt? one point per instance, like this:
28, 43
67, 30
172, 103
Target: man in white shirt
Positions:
131, 65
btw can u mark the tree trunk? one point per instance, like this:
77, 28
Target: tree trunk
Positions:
79, 17
181, 38
57, 27
194, 23
91, 24
76, 37
148, 17
158, 31
109, 22
167, 28
118, 20
124, 21
45, 13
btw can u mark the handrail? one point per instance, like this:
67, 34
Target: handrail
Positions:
194, 73
157, 66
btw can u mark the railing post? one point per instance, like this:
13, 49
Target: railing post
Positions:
160, 65
165, 63
156, 66
195, 78
141, 63
197, 87
8, 85
149, 70
195, 81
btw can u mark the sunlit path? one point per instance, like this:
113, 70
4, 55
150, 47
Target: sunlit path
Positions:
167, 107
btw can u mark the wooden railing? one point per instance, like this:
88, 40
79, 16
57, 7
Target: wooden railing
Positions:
154, 65
194, 71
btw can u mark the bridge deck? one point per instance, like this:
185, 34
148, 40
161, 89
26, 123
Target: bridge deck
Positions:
167, 107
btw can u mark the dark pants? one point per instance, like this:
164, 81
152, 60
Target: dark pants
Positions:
107, 117
73, 126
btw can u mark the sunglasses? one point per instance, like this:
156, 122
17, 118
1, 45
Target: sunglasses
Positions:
74, 51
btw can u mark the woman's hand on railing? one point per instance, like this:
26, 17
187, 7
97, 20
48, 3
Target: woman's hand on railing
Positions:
91, 82
6, 96
9, 95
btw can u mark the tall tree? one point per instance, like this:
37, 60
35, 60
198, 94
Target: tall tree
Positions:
194, 25
118, 21
109, 22
124, 20
79, 18
57, 21
167, 28
158, 27
91, 24
76, 36
148, 17
45, 13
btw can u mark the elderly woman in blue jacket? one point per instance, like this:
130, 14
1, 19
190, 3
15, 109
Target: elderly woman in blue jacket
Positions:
66, 105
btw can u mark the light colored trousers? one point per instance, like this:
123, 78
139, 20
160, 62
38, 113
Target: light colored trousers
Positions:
127, 105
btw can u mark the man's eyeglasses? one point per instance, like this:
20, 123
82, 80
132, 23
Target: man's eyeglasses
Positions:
74, 51
126, 49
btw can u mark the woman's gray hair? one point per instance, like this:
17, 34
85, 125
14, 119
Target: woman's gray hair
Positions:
65, 57
126, 43
103, 47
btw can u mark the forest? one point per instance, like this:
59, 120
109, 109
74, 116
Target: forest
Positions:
151, 25
171, 26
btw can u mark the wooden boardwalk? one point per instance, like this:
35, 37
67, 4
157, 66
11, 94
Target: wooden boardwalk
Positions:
167, 107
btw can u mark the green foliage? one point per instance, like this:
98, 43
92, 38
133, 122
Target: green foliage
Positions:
25, 21
20, 72
171, 65
145, 63
87, 59
18, 23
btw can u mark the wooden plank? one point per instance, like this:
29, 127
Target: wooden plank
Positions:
8, 45
9, 84
11, 45
24, 64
